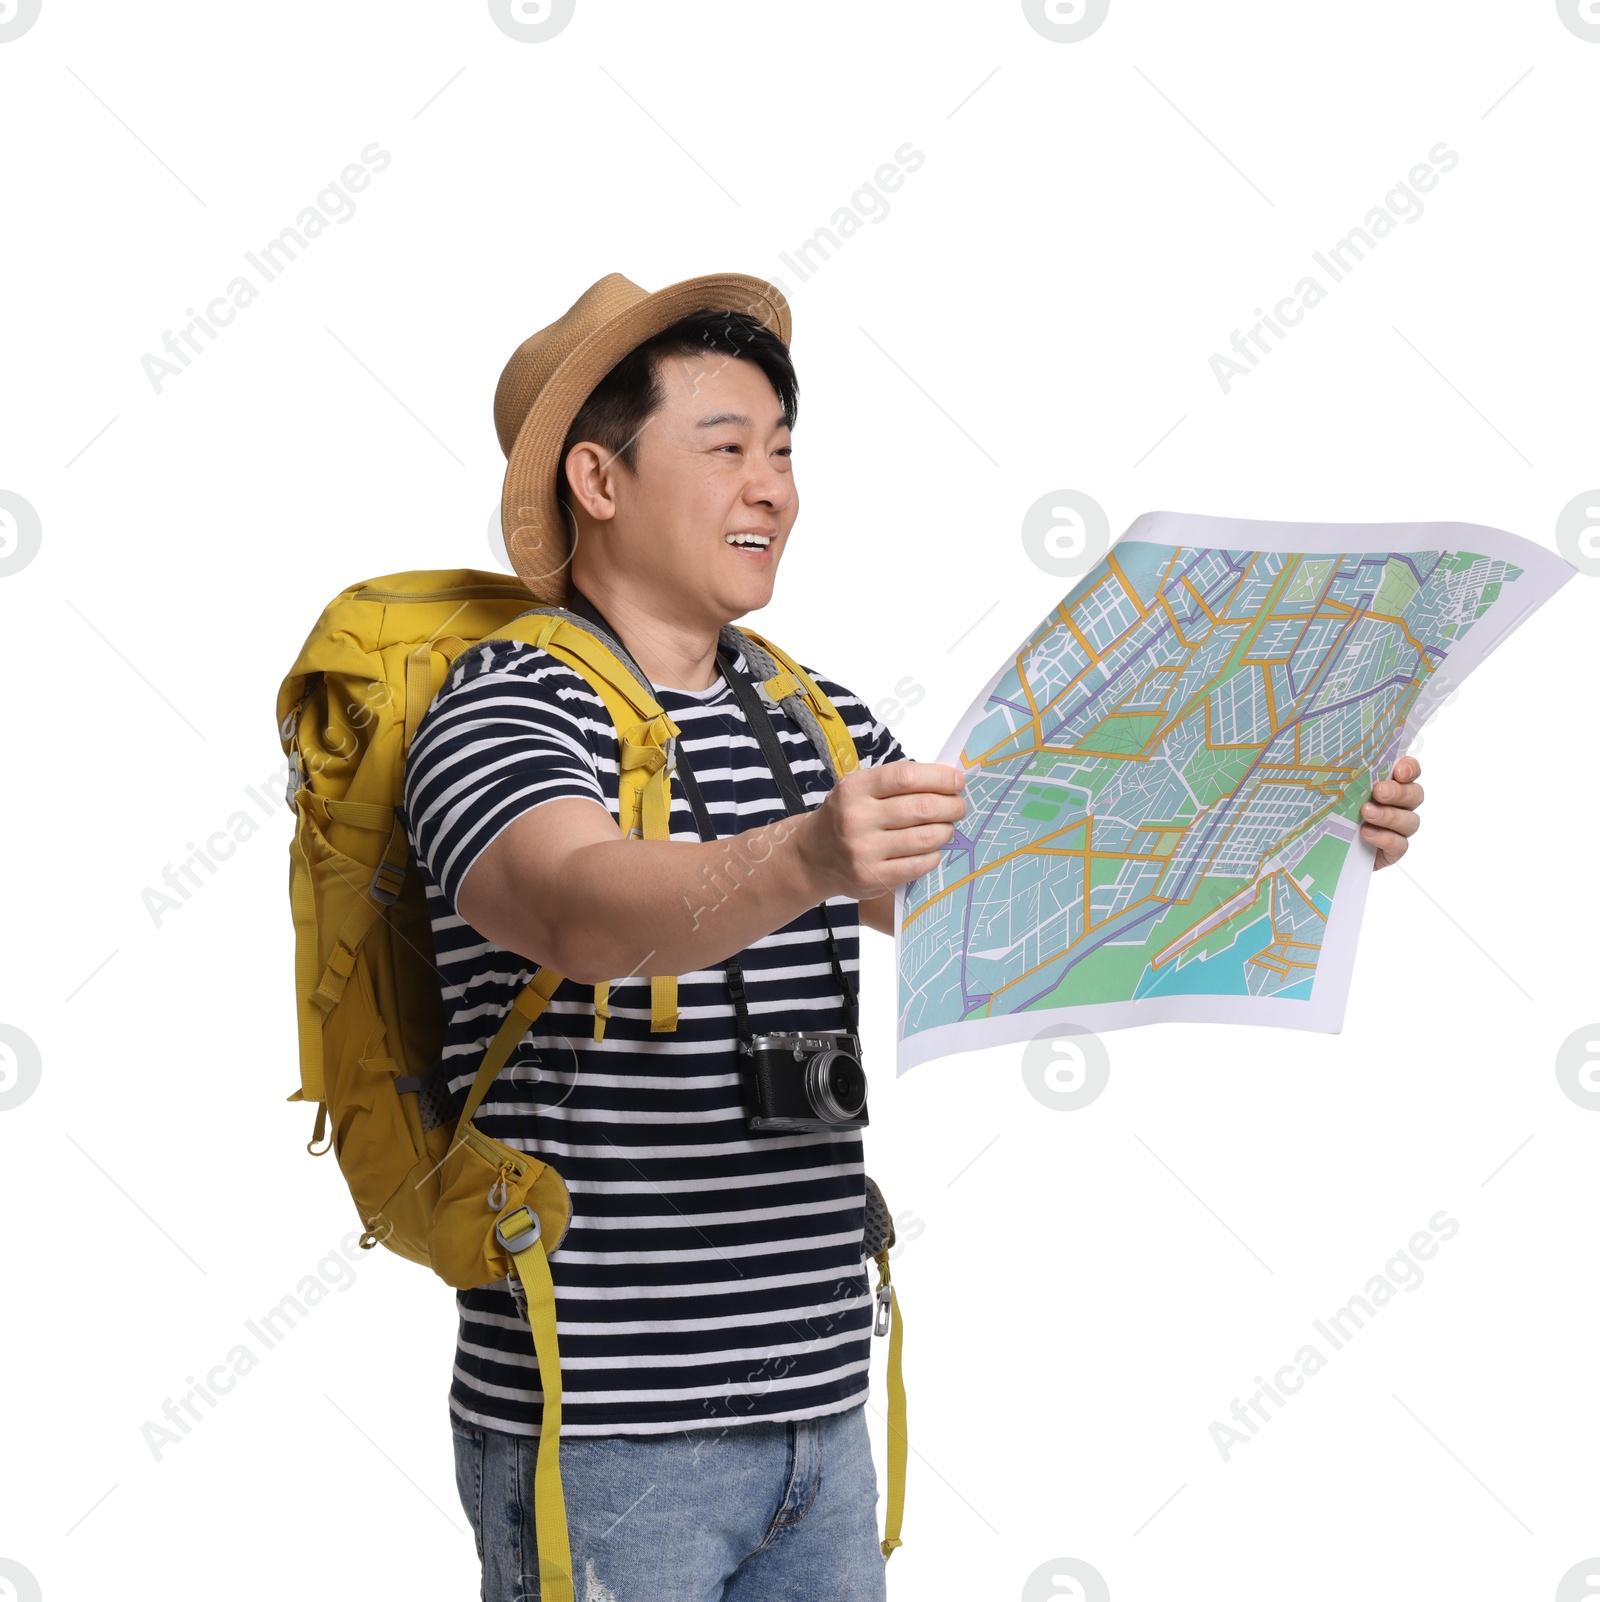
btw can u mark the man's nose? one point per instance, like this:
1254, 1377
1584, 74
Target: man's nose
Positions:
767, 486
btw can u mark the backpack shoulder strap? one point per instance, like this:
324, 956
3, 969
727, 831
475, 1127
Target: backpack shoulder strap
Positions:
788, 684
644, 742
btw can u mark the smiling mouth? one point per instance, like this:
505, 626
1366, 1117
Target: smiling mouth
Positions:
749, 541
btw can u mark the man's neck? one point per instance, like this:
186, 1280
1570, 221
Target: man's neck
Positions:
673, 655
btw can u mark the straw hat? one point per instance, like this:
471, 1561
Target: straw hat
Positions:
552, 373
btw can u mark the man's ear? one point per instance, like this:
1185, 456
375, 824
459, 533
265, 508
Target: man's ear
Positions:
589, 472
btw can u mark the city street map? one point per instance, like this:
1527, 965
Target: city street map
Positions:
1164, 779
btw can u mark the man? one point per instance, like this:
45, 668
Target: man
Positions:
712, 1300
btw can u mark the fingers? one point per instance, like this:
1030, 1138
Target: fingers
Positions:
1397, 795
1400, 788
1389, 845
889, 824
919, 840
1376, 820
900, 778
890, 875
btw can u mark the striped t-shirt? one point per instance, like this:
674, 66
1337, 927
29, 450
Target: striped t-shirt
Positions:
711, 1273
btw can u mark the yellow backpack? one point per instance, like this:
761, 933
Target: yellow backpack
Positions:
370, 1015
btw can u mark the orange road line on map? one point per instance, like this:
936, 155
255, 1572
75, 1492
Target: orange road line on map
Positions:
1412, 640
1027, 690
1177, 627
1088, 869
1275, 965
1078, 633
1290, 879
1127, 588
1199, 599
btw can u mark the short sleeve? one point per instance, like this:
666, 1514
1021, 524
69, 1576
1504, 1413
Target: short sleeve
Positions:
874, 743
508, 731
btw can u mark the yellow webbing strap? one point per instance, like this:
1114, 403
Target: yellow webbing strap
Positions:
549, 1502
419, 689
524, 1009
358, 814
644, 800
602, 1007
895, 1504
422, 682
303, 904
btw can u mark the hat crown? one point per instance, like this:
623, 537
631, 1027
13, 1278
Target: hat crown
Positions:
538, 356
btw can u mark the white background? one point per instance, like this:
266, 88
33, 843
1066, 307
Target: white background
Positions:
1085, 1292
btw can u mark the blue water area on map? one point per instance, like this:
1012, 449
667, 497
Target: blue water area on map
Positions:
1224, 973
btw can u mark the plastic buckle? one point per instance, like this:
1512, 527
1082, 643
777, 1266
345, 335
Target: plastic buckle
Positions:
294, 779
880, 1324
525, 1234
382, 892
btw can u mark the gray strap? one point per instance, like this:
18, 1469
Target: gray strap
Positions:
763, 667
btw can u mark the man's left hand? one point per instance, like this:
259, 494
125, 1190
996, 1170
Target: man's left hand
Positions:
1390, 818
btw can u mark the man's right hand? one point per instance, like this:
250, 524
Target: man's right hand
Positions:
881, 827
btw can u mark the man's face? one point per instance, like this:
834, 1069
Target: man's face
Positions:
704, 517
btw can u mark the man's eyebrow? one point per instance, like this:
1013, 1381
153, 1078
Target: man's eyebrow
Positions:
738, 419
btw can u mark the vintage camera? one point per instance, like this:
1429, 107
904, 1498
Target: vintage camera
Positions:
805, 1082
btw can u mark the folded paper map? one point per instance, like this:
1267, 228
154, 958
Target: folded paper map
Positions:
1165, 778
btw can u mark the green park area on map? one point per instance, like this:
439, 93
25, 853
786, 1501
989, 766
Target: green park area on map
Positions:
1164, 786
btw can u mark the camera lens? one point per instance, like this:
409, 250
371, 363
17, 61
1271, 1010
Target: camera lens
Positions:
836, 1087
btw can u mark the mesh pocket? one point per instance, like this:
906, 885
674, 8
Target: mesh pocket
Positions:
433, 1098
878, 1231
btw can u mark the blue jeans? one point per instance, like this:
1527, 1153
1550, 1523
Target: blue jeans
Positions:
754, 1512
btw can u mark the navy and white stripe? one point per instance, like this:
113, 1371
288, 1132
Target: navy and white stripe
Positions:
710, 1274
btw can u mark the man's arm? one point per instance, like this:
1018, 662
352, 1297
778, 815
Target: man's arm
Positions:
562, 887
878, 913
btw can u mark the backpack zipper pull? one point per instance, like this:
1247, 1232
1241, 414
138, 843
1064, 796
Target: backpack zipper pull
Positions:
497, 1191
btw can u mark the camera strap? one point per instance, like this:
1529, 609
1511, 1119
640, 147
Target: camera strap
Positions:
760, 722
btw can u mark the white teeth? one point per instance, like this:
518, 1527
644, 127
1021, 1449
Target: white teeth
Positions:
760, 541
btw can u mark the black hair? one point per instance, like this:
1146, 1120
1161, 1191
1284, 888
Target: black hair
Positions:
622, 402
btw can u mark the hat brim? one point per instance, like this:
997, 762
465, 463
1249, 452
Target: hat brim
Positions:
536, 527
